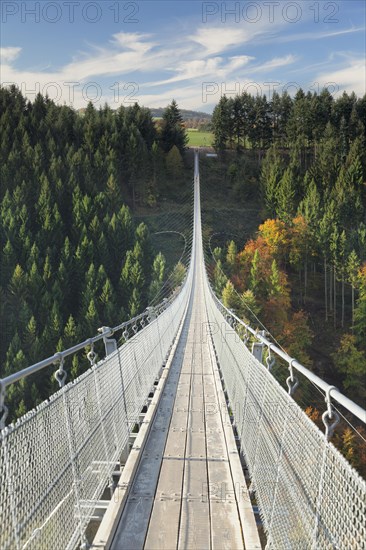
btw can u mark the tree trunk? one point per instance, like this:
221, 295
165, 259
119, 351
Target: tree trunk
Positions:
325, 288
342, 301
335, 296
353, 306
330, 288
133, 196
300, 284
305, 278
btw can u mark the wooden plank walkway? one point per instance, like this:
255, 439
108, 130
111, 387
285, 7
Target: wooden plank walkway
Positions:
185, 494
185, 488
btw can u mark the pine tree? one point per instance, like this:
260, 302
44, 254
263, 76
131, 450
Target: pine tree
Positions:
134, 303
113, 193
70, 334
158, 276
285, 196
174, 166
173, 131
18, 284
353, 266
221, 124
8, 263
91, 318
360, 309
13, 349
254, 273
230, 298
271, 175
275, 287
217, 253
231, 255
178, 274
219, 279
250, 307
351, 362
108, 303
31, 341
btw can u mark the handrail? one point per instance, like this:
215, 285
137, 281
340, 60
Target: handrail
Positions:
350, 405
57, 357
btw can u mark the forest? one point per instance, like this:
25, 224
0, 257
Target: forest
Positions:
303, 272
73, 255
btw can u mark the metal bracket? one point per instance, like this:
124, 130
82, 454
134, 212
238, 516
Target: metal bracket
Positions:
60, 374
110, 344
292, 381
151, 313
330, 417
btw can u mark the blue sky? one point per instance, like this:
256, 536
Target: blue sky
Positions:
153, 51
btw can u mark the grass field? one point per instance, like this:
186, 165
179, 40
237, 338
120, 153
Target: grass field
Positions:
199, 139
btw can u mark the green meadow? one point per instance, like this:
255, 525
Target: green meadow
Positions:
199, 139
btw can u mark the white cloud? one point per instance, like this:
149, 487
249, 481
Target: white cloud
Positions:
219, 39
9, 54
274, 63
213, 67
126, 53
311, 36
351, 77
179, 65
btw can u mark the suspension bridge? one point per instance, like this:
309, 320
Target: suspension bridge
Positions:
175, 438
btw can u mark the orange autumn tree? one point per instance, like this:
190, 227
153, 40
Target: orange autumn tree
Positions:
275, 236
245, 258
261, 271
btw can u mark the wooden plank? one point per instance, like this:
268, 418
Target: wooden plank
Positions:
167, 504
131, 533
226, 533
110, 521
134, 523
224, 526
165, 517
187, 491
244, 507
194, 530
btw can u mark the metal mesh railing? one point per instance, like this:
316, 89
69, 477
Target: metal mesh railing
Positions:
57, 460
309, 496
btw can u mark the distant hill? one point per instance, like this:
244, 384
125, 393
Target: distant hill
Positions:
186, 114
158, 113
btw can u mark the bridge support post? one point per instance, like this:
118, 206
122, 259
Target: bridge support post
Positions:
125, 453
110, 344
257, 351
152, 313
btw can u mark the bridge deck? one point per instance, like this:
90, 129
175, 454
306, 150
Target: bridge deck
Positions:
186, 487
183, 493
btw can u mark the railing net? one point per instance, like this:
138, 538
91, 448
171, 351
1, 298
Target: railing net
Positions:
309, 496
57, 460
